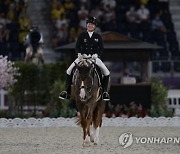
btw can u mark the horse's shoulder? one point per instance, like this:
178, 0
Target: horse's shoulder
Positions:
98, 70
98, 73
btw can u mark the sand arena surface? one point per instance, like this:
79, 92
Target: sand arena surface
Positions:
68, 140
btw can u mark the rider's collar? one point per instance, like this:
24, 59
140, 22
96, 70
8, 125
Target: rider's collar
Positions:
90, 33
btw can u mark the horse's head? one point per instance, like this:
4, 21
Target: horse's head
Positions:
85, 79
84, 68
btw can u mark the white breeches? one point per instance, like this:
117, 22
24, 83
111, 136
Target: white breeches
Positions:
98, 62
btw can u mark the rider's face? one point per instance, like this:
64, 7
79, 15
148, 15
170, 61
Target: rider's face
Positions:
91, 27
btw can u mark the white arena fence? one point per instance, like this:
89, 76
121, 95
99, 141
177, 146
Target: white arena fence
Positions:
173, 102
70, 122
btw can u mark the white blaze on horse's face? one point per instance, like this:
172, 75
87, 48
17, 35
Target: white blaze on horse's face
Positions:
82, 91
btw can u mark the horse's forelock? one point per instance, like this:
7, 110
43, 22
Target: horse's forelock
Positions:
85, 63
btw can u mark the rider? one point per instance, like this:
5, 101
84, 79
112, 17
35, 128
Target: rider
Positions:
35, 41
89, 44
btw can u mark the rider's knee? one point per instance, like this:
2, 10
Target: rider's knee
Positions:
106, 72
68, 71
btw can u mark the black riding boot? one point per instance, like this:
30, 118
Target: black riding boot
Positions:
105, 95
66, 94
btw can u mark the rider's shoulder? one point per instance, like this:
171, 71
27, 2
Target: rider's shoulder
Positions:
82, 33
97, 35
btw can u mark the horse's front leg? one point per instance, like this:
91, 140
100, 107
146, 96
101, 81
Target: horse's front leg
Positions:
28, 54
86, 130
27, 58
86, 137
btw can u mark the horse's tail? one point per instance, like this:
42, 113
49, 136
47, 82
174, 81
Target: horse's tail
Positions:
78, 120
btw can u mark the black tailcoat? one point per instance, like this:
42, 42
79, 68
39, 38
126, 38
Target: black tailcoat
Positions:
87, 45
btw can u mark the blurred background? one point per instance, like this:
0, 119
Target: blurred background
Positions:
141, 40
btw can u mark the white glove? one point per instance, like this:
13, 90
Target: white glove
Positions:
94, 56
80, 57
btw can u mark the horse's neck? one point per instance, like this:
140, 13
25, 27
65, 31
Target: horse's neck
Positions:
91, 88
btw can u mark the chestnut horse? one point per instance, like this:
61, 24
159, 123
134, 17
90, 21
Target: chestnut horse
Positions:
87, 95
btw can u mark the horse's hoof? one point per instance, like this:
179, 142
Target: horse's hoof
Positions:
92, 139
95, 144
86, 144
96, 141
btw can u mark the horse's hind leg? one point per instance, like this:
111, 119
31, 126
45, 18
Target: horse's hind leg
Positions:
97, 120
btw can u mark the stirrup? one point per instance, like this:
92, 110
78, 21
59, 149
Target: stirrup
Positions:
106, 96
64, 95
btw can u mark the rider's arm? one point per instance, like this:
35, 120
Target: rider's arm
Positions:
101, 46
78, 44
